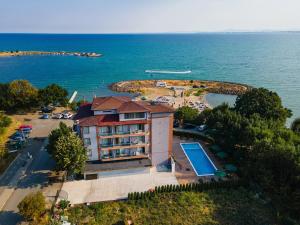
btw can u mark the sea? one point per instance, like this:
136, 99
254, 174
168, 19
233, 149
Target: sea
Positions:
267, 59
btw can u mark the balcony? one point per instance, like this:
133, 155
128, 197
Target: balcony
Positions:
122, 145
121, 154
123, 133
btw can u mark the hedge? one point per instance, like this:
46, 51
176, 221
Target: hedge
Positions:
196, 187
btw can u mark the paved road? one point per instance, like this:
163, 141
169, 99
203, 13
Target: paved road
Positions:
33, 179
25, 176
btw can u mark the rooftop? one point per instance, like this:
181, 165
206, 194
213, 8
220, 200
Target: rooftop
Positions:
122, 104
97, 166
108, 103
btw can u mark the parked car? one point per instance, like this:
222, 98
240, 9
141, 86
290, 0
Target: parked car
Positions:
67, 115
45, 116
25, 127
57, 116
25, 130
201, 127
18, 136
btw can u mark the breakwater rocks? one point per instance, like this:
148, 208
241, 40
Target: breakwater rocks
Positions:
218, 87
62, 53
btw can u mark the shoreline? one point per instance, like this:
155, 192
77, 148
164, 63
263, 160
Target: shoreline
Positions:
177, 93
59, 53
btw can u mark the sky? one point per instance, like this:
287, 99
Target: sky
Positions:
147, 16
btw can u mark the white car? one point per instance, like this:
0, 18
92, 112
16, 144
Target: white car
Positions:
57, 116
201, 128
67, 115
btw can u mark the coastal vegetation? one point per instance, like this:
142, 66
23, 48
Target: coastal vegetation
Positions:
220, 206
22, 96
7, 127
5, 122
268, 154
33, 208
296, 126
186, 114
67, 150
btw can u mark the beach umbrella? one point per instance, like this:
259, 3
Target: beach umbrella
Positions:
222, 155
215, 148
230, 167
220, 173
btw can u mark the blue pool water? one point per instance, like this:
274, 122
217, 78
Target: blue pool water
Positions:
198, 158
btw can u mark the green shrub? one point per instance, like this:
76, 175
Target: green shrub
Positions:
33, 206
63, 204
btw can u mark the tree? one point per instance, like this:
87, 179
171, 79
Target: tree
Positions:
5, 101
23, 95
33, 206
53, 94
70, 155
296, 126
228, 125
274, 164
5, 121
265, 103
62, 130
268, 153
186, 114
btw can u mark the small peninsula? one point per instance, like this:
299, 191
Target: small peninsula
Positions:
54, 53
218, 87
177, 93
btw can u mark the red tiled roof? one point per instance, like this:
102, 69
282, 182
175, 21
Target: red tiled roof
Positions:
124, 104
107, 103
86, 115
129, 107
157, 108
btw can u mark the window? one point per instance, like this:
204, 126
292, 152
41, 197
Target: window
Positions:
86, 130
141, 127
87, 141
105, 130
129, 116
139, 115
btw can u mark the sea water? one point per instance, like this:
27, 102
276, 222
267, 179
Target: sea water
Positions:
270, 60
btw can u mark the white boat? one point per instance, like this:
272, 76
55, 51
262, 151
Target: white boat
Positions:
168, 71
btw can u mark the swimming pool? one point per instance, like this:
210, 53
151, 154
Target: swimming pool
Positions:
200, 161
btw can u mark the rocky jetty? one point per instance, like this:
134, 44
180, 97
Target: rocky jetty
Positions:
62, 53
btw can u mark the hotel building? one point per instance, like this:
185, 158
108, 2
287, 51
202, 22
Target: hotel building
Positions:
123, 136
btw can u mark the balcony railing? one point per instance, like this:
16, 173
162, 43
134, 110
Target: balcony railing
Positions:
123, 156
121, 133
107, 145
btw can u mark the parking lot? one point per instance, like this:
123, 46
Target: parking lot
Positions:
42, 127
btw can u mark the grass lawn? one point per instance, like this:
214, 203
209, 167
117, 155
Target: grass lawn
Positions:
222, 206
6, 159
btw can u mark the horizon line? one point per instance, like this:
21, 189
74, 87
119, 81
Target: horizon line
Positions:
173, 32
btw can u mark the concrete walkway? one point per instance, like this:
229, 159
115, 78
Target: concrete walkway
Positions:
114, 188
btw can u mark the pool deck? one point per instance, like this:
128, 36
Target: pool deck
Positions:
184, 171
